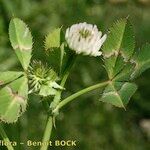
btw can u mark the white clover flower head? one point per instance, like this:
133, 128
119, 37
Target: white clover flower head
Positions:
85, 39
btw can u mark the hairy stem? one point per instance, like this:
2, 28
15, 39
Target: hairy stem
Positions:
47, 133
74, 96
5, 138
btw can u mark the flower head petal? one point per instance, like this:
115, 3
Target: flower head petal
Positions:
85, 38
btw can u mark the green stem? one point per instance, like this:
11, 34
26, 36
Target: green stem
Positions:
68, 68
49, 125
74, 96
63, 81
5, 138
47, 133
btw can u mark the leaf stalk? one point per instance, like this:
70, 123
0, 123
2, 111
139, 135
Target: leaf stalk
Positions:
79, 93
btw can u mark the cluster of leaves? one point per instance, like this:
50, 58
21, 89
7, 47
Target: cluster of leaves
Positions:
35, 77
122, 63
14, 84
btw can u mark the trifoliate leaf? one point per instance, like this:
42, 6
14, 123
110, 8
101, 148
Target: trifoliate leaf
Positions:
117, 52
21, 41
121, 65
118, 93
52, 40
13, 100
8, 76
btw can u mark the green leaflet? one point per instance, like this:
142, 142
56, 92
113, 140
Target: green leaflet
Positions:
52, 40
136, 65
13, 100
45, 91
21, 41
118, 47
118, 93
8, 76
49, 89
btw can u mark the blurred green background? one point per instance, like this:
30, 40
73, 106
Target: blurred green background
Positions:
93, 124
